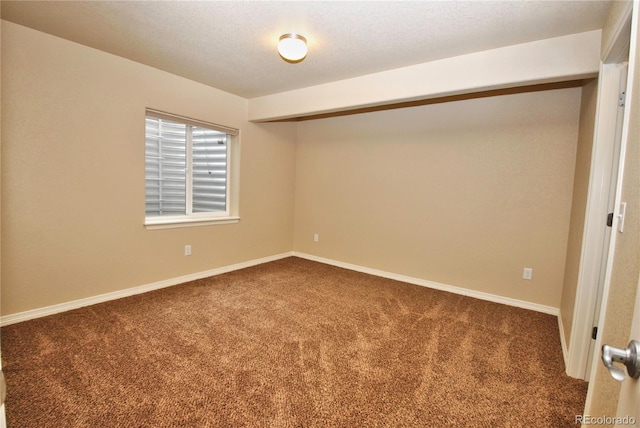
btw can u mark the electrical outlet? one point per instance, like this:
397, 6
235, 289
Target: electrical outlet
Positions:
527, 274
316, 237
187, 250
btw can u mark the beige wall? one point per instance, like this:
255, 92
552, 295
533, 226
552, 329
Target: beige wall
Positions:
466, 193
73, 175
578, 205
626, 262
615, 20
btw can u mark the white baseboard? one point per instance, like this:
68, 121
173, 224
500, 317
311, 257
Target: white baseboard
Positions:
438, 286
63, 307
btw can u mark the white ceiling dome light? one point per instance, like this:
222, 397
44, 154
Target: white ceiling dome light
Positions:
292, 47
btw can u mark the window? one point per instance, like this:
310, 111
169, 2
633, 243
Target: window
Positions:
187, 170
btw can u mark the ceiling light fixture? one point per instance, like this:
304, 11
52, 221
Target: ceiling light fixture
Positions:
292, 47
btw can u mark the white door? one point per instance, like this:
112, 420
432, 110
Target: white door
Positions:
629, 399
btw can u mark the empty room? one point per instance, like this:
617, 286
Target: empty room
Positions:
331, 213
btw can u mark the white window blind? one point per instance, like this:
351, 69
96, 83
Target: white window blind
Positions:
209, 170
165, 168
186, 167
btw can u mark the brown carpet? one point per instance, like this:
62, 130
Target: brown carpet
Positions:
292, 343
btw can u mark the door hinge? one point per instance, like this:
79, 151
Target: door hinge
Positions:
594, 333
610, 219
622, 99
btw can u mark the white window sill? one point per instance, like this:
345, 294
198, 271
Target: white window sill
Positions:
161, 223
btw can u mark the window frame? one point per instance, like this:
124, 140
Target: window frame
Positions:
230, 215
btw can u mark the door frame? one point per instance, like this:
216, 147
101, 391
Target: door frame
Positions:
595, 249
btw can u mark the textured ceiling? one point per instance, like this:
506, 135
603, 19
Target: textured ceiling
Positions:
231, 45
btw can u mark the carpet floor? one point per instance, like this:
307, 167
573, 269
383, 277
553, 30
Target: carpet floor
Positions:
291, 343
